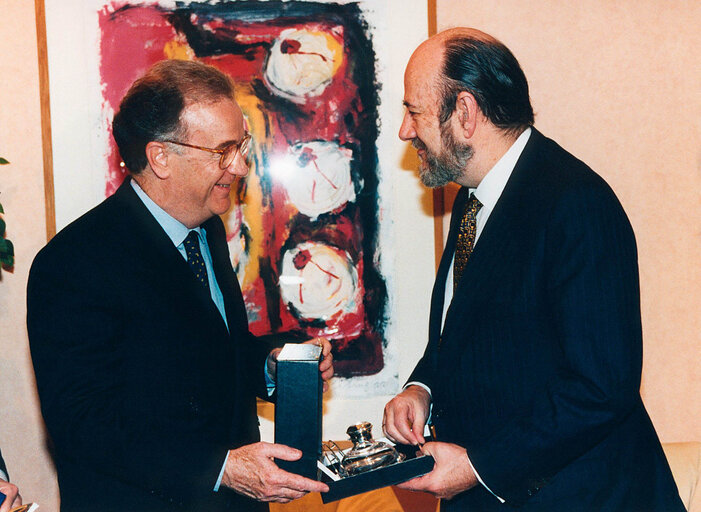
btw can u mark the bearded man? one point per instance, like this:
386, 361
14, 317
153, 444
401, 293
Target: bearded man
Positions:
531, 374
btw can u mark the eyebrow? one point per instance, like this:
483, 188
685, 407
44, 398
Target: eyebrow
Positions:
228, 143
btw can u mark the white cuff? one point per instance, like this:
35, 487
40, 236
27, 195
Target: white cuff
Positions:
420, 384
479, 479
221, 473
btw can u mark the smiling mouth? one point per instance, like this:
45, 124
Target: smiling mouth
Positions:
224, 185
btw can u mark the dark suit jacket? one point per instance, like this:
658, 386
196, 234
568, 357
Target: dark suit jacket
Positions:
3, 468
536, 371
142, 388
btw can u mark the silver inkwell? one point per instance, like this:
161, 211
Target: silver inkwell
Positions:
366, 454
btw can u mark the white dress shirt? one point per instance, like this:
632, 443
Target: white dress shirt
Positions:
488, 193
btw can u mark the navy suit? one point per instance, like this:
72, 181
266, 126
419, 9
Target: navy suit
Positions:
536, 371
3, 468
142, 388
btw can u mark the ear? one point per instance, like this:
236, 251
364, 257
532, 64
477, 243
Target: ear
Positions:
466, 110
157, 156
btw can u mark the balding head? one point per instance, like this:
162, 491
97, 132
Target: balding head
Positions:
466, 59
467, 100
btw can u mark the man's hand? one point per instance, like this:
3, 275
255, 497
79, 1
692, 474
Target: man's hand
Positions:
13, 499
250, 471
452, 472
325, 365
406, 415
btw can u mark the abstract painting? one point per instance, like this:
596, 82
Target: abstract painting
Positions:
303, 232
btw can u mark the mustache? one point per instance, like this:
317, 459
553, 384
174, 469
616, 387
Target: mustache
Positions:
418, 144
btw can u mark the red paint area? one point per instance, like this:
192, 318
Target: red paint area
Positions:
292, 46
135, 36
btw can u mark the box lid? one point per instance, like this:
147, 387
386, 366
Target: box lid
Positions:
299, 352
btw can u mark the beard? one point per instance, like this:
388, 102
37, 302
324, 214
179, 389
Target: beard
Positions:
439, 169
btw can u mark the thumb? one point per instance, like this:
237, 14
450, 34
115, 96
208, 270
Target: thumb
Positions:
284, 452
417, 429
430, 448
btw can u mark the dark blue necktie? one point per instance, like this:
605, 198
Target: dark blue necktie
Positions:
194, 258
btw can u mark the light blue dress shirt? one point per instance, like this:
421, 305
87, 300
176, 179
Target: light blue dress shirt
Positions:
177, 232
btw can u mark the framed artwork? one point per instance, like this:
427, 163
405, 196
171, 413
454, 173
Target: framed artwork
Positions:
308, 228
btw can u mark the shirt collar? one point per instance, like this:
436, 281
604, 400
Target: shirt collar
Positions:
492, 185
176, 230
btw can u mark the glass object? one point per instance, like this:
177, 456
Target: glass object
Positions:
366, 453
228, 153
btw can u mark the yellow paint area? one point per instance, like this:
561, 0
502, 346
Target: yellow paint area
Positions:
178, 50
252, 209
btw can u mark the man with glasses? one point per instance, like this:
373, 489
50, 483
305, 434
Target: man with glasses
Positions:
146, 370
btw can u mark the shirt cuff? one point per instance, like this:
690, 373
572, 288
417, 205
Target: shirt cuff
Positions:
221, 473
269, 380
3, 476
479, 479
420, 384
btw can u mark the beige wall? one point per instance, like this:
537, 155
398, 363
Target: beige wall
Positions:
614, 82
22, 195
617, 84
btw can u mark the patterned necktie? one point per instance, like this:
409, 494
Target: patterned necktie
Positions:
194, 258
466, 238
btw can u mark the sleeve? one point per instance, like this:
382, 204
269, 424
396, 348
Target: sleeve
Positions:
593, 302
3, 470
76, 332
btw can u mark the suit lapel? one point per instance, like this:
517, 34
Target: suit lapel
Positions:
156, 250
225, 276
438, 295
501, 236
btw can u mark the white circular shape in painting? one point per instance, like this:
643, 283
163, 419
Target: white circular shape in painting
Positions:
318, 280
302, 63
317, 177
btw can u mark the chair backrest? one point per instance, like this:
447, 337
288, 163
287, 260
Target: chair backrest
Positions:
685, 461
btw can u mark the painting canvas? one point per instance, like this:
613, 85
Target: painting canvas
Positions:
306, 229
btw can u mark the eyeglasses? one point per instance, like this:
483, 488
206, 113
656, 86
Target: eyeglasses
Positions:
228, 153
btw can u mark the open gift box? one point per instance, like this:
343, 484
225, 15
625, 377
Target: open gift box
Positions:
298, 422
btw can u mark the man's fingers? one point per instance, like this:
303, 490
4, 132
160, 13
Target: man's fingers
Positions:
415, 484
12, 499
326, 363
281, 451
404, 429
300, 483
405, 417
326, 347
394, 423
388, 423
417, 430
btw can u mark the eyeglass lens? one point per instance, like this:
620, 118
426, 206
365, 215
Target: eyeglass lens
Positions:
228, 156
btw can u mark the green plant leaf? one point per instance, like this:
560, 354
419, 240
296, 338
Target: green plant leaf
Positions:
7, 253
3, 161
6, 247
2, 228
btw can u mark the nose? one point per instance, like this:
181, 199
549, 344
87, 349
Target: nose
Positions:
407, 130
239, 166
